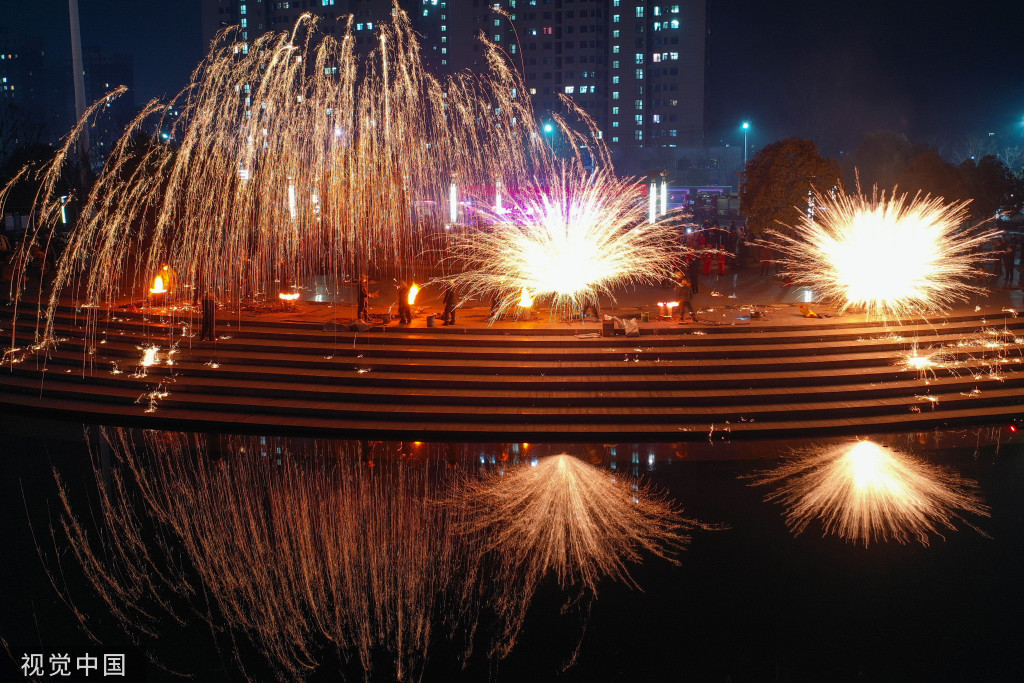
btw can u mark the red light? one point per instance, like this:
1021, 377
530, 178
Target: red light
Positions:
1013, 429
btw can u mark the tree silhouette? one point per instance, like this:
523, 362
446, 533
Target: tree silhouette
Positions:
778, 180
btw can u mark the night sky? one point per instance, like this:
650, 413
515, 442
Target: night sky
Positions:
828, 70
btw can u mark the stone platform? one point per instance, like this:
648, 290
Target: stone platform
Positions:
303, 371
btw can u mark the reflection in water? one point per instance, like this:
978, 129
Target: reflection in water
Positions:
308, 547
558, 515
865, 492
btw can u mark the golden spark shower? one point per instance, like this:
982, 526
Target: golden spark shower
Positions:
585, 236
867, 493
892, 257
292, 158
566, 518
310, 549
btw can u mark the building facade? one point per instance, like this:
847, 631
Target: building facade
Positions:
636, 67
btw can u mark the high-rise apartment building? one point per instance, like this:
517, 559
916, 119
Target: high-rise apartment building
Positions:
635, 66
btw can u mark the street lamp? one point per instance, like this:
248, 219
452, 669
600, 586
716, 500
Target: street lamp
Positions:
746, 127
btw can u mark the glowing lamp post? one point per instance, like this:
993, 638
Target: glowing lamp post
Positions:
652, 203
746, 128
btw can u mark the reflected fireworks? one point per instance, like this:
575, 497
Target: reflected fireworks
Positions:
565, 518
864, 492
308, 547
890, 257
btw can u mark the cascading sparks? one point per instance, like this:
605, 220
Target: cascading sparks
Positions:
864, 492
892, 257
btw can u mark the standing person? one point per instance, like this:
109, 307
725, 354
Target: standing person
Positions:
766, 260
363, 302
448, 316
693, 267
685, 295
721, 263
209, 329
1008, 256
404, 309
705, 266
591, 305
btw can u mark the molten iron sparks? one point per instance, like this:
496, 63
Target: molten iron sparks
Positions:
567, 518
864, 492
299, 156
288, 296
891, 257
570, 242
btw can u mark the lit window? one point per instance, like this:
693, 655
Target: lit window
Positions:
497, 38
615, 64
615, 94
242, 9
615, 33
656, 118
615, 49
675, 23
615, 18
639, 56
639, 12
675, 9
548, 31
497, 22
615, 111
673, 55
638, 134
570, 89
638, 104
656, 57
533, 91
327, 3
584, 89
639, 74
615, 79
615, 124
245, 22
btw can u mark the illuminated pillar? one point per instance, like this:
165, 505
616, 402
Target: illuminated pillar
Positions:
664, 196
652, 203
453, 203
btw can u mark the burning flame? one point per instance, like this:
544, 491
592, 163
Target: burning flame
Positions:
158, 286
288, 296
526, 300
413, 291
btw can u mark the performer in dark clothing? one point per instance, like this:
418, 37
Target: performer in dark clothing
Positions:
694, 271
591, 306
209, 330
448, 316
362, 312
404, 309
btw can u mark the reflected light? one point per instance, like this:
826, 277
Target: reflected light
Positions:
864, 492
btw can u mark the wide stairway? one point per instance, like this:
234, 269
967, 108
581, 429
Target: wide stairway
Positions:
671, 383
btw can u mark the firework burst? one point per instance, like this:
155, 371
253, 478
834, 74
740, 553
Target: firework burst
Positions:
292, 158
566, 518
892, 257
568, 243
865, 492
